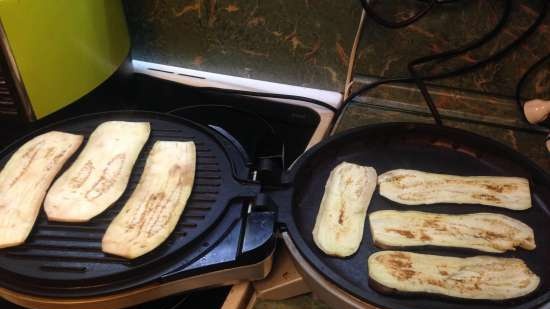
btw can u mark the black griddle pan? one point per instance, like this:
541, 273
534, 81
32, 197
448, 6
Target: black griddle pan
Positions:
421, 147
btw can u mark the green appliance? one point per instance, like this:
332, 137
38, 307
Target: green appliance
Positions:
56, 51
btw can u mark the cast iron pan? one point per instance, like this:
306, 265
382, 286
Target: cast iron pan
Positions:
427, 148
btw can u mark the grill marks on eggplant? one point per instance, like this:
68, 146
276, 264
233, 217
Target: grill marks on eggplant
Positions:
487, 232
82, 175
28, 158
110, 174
479, 277
339, 224
398, 264
100, 174
154, 208
412, 187
25, 179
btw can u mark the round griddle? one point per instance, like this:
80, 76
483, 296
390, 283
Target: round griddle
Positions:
421, 147
65, 260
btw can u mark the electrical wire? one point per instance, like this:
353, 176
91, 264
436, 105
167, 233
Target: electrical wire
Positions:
418, 79
367, 8
353, 54
450, 54
427, 97
399, 24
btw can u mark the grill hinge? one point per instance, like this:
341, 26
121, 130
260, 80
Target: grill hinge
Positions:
269, 170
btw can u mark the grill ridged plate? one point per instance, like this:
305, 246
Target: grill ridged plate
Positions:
66, 254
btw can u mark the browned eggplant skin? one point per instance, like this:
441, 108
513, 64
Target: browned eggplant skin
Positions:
486, 232
413, 187
475, 278
382, 289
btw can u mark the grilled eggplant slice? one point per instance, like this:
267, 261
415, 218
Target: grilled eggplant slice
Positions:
339, 225
25, 179
153, 210
412, 187
99, 175
487, 232
479, 277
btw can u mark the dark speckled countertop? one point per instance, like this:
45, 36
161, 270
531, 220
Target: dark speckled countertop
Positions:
386, 52
300, 42
482, 100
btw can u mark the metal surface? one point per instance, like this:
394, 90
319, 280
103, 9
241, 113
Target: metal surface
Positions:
23, 98
57, 257
422, 147
64, 49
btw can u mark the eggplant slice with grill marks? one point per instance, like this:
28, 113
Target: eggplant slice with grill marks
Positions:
478, 277
488, 232
411, 187
25, 179
100, 174
152, 212
339, 225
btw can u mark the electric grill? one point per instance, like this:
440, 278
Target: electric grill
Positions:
228, 226
218, 239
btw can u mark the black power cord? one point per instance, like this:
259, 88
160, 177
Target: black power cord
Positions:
402, 23
419, 80
399, 24
450, 54
426, 94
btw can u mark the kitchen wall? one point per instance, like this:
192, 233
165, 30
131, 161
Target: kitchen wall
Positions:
300, 42
481, 101
386, 52
308, 43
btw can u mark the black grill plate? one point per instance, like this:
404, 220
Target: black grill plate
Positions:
428, 148
69, 256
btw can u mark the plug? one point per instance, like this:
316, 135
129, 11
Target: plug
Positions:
536, 110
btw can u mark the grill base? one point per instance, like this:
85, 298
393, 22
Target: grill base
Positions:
147, 293
320, 286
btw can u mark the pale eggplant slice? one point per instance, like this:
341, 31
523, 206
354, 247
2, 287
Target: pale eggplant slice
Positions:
488, 232
479, 277
25, 179
153, 210
100, 174
411, 187
340, 221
